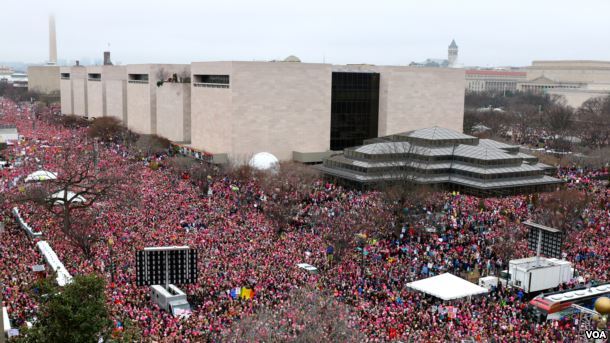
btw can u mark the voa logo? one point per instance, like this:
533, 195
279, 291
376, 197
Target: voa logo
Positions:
596, 334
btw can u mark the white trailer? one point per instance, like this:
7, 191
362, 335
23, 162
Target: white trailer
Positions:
533, 275
172, 300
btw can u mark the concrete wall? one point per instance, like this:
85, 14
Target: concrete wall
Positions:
280, 107
139, 100
142, 98
415, 98
211, 110
78, 76
275, 107
43, 79
95, 93
65, 86
284, 107
115, 81
174, 112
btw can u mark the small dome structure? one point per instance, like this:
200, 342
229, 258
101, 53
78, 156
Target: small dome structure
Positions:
265, 161
292, 58
41, 175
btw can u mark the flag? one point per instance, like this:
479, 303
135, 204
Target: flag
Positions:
235, 292
246, 293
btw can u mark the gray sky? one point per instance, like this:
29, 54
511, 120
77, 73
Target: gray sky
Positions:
488, 32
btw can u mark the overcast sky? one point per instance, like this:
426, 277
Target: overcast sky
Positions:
488, 32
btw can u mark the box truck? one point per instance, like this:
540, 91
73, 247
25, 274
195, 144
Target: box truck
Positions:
534, 275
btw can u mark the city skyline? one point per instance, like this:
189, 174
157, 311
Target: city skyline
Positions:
487, 33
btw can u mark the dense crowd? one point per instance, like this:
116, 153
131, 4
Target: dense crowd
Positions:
240, 247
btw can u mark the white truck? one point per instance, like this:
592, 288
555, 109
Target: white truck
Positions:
172, 300
533, 275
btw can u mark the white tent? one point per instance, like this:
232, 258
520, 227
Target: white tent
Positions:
447, 287
308, 267
264, 161
41, 175
59, 197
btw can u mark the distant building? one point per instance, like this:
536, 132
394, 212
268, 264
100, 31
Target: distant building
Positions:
576, 80
572, 71
450, 62
543, 84
452, 54
493, 80
439, 156
8, 75
575, 97
5, 70
45, 79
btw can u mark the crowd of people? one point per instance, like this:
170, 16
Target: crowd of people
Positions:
239, 246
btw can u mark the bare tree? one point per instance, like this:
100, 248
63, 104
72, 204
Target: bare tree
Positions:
181, 164
184, 76
79, 185
72, 121
287, 191
558, 118
505, 241
148, 145
161, 75
561, 209
107, 129
308, 315
594, 116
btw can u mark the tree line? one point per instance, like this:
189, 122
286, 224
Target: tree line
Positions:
539, 120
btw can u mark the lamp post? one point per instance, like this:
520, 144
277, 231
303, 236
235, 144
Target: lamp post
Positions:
362, 246
602, 307
110, 245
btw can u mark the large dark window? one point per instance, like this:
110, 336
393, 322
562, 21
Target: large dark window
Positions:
211, 81
137, 78
354, 109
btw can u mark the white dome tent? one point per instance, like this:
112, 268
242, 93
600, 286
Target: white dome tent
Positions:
58, 198
41, 175
265, 161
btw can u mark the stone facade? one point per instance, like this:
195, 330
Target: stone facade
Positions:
115, 82
413, 98
493, 80
577, 81
174, 112
43, 79
78, 78
142, 94
65, 86
277, 107
237, 109
571, 71
95, 92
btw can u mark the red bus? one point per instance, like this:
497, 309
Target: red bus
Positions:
557, 305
